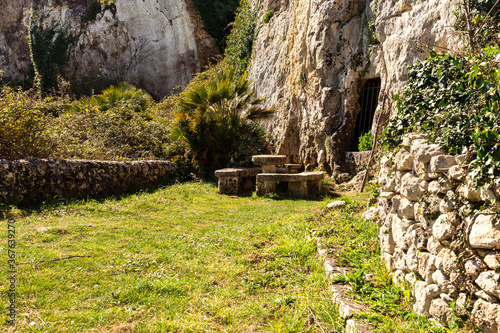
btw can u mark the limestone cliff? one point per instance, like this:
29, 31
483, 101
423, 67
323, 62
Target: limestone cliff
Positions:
154, 44
308, 62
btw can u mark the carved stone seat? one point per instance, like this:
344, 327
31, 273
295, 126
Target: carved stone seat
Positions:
302, 184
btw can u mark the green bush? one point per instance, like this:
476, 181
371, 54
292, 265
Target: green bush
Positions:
243, 33
117, 124
217, 121
267, 16
23, 125
365, 141
454, 100
49, 51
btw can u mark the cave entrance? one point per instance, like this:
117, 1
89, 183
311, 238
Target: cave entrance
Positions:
368, 102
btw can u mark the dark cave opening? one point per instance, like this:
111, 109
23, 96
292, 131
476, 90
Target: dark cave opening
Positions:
368, 101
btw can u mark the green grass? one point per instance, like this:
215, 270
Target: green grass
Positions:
181, 259
353, 243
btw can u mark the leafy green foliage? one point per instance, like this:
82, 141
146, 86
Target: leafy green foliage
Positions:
217, 15
365, 141
479, 21
23, 124
243, 33
217, 121
124, 93
267, 16
116, 124
49, 51
454, 100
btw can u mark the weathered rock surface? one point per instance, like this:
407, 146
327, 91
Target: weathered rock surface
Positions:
485, 234
306, 63
154, 45
486, 316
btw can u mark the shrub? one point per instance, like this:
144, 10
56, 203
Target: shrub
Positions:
216, 121
243, 33
267, 16
365, 141
49, 51
23, 125
454, 100
117, 124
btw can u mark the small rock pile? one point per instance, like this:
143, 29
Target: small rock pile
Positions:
436, 234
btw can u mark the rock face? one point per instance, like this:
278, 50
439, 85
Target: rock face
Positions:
156, 45
308, 62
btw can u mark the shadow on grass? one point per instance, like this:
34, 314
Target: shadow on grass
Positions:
58, 201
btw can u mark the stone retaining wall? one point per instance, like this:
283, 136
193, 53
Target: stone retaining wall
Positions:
439, 233
35, 180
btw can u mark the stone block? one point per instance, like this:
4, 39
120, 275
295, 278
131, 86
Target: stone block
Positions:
439, 186
442, 163
469, 191
473, 267
444, 228
457, 173
410, 187
403, 160
433, 245
486, 316
423, 152
492, 260
446, 261
399, 229
440, 310
489, 282
423, 300
485, 232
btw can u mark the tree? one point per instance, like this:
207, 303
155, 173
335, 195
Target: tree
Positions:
218, 121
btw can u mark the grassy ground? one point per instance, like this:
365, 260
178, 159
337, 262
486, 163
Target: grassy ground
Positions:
185, 259
181, 259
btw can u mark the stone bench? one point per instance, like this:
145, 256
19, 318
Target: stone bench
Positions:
301, 184
230, 180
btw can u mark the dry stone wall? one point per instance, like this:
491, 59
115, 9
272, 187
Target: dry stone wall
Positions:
439, 233
35, 180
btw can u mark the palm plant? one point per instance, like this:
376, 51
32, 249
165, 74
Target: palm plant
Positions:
218, 120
